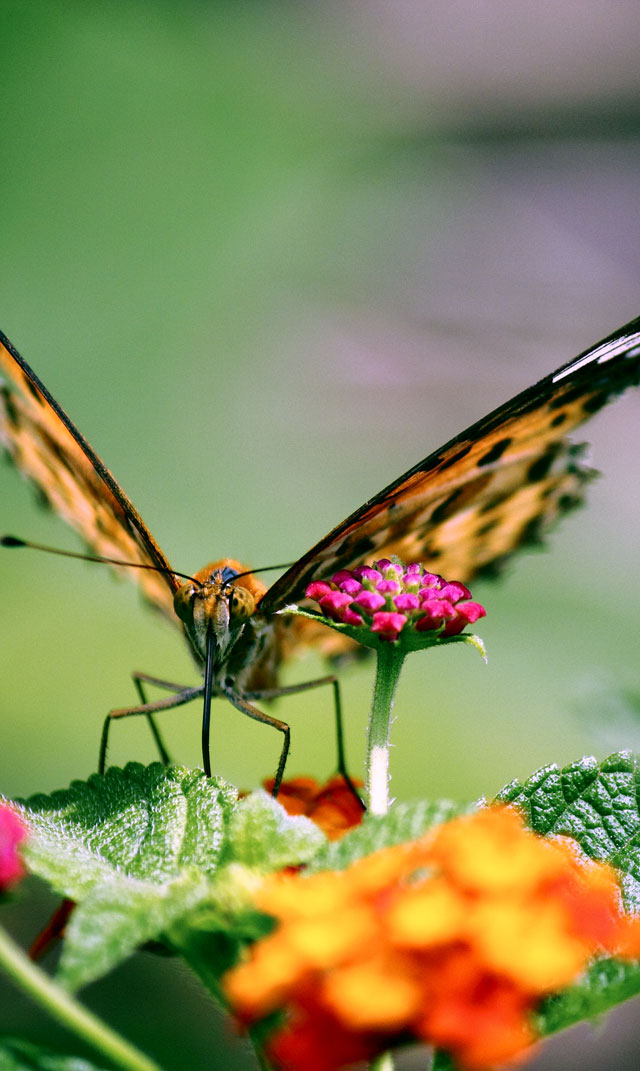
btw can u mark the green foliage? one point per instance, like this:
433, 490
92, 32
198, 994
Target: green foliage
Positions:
443, 1061
161, 854
596, 803
145, 823
607, 982
404, 822
139, 849
133, 849
262, 835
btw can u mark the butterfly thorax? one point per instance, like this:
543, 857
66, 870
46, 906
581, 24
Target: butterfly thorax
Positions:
215, 602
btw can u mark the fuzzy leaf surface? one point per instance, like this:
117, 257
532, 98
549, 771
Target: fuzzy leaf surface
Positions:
597, 803
135, 849
405, 822
263, 836
147, 823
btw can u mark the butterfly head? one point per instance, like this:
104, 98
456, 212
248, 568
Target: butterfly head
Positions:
220, 598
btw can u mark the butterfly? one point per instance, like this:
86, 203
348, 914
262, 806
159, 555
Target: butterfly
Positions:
462, 511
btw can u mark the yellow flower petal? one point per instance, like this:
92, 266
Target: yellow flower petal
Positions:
430, 914
380, 870
291, 896
263, 982
372, 995
529, 942
491, 851
327, 940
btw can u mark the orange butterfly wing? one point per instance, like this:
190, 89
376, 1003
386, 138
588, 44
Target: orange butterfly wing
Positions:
462, 511
501, 483
50, 451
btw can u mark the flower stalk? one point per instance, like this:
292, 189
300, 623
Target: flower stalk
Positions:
68, 1011
390, 659
393, 609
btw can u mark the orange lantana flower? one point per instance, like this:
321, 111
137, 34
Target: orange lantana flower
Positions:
332, 806
452, 940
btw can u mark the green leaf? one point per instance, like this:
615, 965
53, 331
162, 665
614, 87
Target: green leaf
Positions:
404, 822
473, 641
606, 983
597, 804
135, 848
117, 917
443, 1061
143, 822
263, 836
17, 1055
143, 851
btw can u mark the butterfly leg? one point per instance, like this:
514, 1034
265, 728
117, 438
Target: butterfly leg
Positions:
172, 701
292, 689
170, 686
242, 704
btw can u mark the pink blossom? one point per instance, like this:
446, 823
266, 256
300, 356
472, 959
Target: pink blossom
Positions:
466, 613
336, 606
454, 590
351, 586
434, 613
388, 625
406, 600
12, 832
370, 601
342, 574
431, 580
385, 598
317, 589
364, 572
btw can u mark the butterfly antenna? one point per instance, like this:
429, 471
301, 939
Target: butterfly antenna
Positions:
14, 541
261, 569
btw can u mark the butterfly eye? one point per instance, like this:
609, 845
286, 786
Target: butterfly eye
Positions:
183, 602
241, 604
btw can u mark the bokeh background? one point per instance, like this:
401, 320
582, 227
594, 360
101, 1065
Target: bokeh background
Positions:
268, 255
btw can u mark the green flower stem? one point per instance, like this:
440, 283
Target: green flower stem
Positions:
68, 1011
390, 659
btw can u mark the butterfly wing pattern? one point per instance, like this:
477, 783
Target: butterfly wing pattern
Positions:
50, 451
498, 485
462, 511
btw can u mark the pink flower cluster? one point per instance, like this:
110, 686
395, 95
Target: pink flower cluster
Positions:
12, 832
389, 596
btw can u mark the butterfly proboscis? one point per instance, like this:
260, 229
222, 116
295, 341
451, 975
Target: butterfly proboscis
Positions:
213, 610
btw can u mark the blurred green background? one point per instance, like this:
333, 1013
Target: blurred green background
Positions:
268, 255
